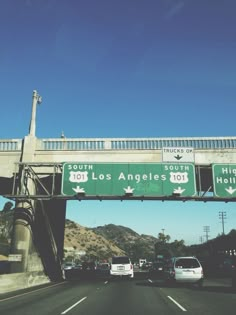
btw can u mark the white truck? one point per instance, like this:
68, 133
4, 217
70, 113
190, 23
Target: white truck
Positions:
142, 261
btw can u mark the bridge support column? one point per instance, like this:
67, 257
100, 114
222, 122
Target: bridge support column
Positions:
38, 236
22, 240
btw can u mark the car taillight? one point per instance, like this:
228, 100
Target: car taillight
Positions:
131, 266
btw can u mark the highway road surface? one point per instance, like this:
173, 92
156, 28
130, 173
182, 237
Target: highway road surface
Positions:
103, 296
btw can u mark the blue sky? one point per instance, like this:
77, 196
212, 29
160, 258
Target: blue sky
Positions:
127, 68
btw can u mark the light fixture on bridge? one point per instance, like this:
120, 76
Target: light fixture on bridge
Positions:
128, 194
80, 195
176, 194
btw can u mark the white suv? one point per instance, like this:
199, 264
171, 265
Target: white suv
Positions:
184, 270
121, 266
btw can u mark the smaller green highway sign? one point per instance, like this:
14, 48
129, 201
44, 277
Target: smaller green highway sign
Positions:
136, 179
224, 180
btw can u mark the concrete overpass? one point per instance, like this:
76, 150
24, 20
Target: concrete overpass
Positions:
31, 175
41, 160
32, 171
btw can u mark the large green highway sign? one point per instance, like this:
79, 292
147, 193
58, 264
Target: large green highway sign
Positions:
119, 179
224, 180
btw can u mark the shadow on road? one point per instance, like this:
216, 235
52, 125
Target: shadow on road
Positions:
218, 285
142, 279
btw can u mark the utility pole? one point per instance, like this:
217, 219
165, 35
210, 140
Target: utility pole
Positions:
222, 217
201, 239
206, 229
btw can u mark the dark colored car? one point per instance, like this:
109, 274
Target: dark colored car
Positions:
103, 270
227, 266
88, 266
223, 266
157, 269
146, 266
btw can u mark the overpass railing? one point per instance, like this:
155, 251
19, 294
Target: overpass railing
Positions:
136, 143
10, 145
96, 144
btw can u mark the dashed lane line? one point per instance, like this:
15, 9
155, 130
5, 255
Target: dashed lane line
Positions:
176, 303
72, 306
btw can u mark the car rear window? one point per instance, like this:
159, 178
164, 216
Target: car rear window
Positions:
120, 260
187, 263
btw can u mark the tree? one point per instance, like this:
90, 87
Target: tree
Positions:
6, 221
178, 248
8, 205
164, 238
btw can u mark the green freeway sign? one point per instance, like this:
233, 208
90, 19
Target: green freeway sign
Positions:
118, 179
224, 180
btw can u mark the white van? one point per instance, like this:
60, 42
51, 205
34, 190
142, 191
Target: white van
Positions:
121, 266
184, 270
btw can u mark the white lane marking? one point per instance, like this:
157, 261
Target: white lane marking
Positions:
72, 306
26, 293
149, 280
105, 282
181, 307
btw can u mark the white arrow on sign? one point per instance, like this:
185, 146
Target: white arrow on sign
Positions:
178, 190
128, 190
230, 190
78, 190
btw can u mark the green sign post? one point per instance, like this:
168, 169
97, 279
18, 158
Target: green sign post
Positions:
136, 179
224, 180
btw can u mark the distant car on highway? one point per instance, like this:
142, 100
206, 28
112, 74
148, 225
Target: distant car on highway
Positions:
142, 261
103, 266
226, 266
68, 266
147, 265
88, 266
184, 270
103, 269
157, 269
121, 266
220, 266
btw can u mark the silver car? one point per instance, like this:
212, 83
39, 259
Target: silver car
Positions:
184, 270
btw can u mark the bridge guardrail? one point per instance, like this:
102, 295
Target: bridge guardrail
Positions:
10, 144
98, 144
136, 143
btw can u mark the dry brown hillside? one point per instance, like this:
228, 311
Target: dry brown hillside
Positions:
79, 239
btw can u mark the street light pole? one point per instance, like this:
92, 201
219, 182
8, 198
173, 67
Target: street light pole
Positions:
37, 99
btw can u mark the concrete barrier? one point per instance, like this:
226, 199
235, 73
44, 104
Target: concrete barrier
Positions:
17, 281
